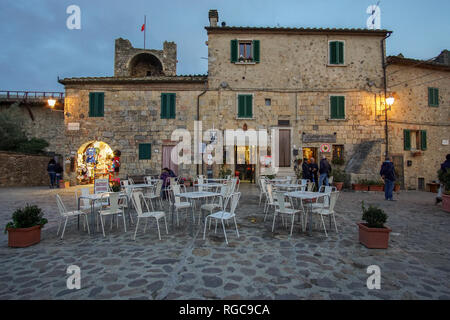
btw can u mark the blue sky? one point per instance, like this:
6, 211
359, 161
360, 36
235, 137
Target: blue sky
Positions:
36, 46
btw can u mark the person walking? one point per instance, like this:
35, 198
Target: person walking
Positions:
51, 172
387, 172
313, 170
324, 171
444, 166
58, 173
165, 175
305, 170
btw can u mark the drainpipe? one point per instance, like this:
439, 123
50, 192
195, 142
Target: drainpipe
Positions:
384, 64
198, 119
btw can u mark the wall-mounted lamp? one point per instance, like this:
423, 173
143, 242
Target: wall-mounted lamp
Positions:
51, 102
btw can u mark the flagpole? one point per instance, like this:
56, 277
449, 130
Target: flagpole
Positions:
145, 28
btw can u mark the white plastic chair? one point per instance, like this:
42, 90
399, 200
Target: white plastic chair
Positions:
263, 191
137, 198
282, 209
113, 209
221, 200
64, 213
328, 211
176, 202
271, 202
155, 194
225, 215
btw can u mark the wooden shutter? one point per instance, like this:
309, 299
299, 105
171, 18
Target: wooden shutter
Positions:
145, 151
423, 140
164, 104
172, 104
333, 52
100, 104
234, 50
341, 108
340, 52
256, 55
241, 106
406, 139
91, 104
248, 106
333, 107
433, 97
96, 104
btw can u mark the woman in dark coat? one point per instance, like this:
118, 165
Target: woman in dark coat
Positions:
51, 169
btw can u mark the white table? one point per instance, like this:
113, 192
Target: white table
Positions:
290, 186
277, 180
306, 195
92, 197
192, 196
210, 185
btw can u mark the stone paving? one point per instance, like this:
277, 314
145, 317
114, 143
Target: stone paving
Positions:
258, 265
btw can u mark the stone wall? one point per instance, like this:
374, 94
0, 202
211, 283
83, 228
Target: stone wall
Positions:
23, 170
409, 86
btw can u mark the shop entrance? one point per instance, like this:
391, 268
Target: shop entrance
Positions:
167, 159
309, 152
94, 161
284, 157
245, 160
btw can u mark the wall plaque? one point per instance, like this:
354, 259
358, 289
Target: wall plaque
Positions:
73, 126
329, 138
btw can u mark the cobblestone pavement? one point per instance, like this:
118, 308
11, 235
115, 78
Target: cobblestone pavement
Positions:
258, 265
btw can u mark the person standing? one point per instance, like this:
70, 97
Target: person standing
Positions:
313, 170
387, 172
324, 171
444, 166
51, 172
58, 173
305, 170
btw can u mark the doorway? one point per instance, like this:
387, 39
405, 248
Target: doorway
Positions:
167, 159
284, 157
309, 152
245, 160
399, 170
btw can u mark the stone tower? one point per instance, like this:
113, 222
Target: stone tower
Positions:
135, 62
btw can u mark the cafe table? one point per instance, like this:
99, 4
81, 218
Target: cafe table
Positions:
306, 195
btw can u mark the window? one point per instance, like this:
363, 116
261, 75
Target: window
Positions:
245, 106
337, 107
414, 139
338, 154
96, 104
245, 51
268, 102
433, 97
336, 52
168, 103
145, 151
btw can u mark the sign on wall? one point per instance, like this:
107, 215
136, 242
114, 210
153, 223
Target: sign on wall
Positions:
325, 147
73, 126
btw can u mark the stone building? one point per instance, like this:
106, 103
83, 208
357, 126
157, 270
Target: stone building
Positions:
321, 89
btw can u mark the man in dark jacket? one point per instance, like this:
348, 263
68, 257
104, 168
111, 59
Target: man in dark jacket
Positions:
59, 172
305, 170
387, 172
313, 170
324, 171
444, 166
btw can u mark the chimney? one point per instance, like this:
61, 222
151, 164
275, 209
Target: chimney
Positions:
213, 18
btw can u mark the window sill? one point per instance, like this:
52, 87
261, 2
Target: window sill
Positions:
336, 65
244, 62
331, 119
239, 118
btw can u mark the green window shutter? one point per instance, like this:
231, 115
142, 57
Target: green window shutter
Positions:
341, 107
96, 104
91, 104
436, 97
172, 104
241, 106
407, 139
100, 104
423, 140
333, 52
145, 151
334, 107
256, 55
430, 97
340, 52
164, 103
234, 50
249, 106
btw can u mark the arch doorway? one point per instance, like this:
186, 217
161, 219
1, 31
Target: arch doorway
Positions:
94, 160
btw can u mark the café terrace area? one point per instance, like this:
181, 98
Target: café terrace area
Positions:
259, 264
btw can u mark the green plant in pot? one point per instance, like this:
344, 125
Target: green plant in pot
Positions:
339, 178
373, 233
115, 187
25, 228
444, 179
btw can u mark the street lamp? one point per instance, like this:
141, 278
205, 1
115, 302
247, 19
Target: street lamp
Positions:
51, 102
390, 101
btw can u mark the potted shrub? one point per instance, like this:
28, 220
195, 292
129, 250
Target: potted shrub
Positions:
375, 185
444, 178
25, 229
337, 161
373, 234
338, 178
361, 185
115, 187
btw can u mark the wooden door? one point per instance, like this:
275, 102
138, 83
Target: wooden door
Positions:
284, 158
167, 159
398, 167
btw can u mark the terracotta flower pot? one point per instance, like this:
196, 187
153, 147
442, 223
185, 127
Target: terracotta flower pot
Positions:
374, 238
376, 188
360, 187
339, 185
24, 237
446, 202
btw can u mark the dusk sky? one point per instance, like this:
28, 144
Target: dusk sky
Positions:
37, 47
